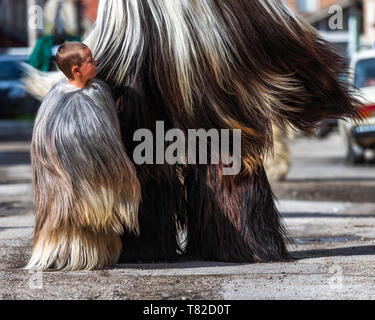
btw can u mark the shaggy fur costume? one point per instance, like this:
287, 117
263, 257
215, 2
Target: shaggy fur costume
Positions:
222, 64
86, 189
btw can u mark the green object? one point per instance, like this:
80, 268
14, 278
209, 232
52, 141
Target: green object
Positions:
42, 53
26, 116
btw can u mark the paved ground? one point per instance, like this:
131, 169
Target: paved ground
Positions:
329, 210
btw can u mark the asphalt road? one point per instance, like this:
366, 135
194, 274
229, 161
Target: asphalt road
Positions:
328, 207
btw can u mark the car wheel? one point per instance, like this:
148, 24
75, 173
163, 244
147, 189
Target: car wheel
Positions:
355, 154
323, 131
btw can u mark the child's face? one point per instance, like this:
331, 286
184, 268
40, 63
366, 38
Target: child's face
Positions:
88, 67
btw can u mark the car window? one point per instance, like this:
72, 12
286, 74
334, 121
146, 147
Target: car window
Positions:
10, 70
365, 73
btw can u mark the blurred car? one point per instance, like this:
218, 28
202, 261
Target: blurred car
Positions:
359, 137
14, 100
325, 127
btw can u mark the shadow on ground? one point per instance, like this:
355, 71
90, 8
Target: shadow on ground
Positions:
345, 252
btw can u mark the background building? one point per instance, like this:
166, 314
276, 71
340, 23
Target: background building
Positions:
358, 20
357, 30
75, 15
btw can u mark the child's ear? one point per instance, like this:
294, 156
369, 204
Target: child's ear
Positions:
75, 71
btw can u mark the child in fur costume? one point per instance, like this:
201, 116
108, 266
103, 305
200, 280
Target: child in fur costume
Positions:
82, 199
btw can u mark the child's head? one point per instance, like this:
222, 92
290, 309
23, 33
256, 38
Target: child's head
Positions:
75, 60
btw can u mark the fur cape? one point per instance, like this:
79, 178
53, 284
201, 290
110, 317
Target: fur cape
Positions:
223, 64
86, 189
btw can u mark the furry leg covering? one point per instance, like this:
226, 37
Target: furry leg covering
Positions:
162, 211
232, 218
161, 216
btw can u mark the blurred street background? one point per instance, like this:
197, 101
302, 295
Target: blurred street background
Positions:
327, 196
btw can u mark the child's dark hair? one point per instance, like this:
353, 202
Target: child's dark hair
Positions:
69, 55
